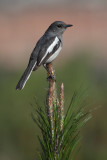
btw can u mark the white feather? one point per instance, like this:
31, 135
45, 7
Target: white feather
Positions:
54, 55
29, 75
50, 48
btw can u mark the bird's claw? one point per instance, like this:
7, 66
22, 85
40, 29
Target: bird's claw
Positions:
51, 77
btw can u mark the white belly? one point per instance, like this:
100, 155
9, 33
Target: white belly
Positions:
54, 55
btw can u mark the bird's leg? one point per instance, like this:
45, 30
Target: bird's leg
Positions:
50, 72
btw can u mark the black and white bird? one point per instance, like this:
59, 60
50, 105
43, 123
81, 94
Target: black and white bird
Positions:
46, 50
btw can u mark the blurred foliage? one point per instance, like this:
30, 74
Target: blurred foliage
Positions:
18, 134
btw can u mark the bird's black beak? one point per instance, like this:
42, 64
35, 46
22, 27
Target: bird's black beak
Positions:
68, 25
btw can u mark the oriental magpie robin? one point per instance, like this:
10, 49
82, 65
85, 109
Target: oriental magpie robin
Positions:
46, 50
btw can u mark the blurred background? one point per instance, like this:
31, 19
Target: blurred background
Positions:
82, 62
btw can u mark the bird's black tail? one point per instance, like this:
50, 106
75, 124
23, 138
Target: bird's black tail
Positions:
25, 75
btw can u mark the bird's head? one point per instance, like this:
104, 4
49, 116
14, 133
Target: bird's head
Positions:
58, 27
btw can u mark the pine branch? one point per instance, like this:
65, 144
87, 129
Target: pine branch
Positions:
60, 134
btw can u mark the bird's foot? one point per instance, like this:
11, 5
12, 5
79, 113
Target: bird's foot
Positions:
51, 77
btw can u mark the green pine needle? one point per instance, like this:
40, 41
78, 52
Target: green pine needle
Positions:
65, 143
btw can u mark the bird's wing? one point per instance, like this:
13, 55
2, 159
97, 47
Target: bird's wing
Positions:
48, 48
34, 54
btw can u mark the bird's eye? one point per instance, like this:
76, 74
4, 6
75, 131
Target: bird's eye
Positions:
59, 26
